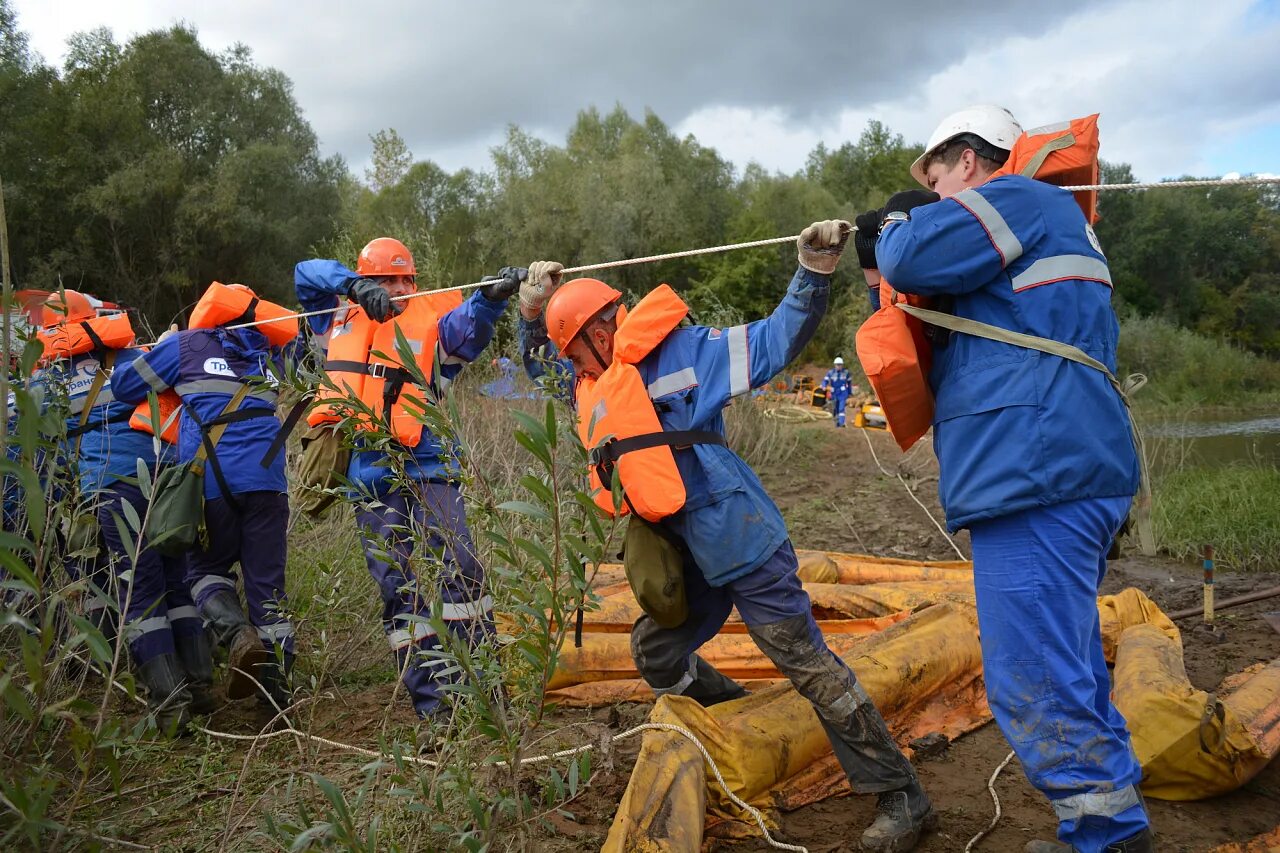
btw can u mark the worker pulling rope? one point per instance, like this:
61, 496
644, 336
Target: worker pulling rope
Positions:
754, 244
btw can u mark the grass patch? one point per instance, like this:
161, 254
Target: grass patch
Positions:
1234, 508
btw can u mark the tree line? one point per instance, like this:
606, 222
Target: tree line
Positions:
143, 171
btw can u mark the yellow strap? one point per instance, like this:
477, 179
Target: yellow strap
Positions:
963, 325
1034, 164
218, 429
99, 379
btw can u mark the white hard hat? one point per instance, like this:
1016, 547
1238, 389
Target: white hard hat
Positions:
839, 360
988, 122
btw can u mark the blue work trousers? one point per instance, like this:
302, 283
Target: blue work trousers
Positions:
391, 528
838, 401
253, 532
1037, 574
153, 592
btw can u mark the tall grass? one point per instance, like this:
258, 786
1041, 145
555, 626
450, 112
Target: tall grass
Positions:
1234, 508
1187, 368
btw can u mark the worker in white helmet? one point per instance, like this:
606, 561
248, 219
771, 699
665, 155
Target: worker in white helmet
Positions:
1041, 497
839, 385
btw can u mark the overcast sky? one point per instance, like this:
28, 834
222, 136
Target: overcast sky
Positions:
1184, 86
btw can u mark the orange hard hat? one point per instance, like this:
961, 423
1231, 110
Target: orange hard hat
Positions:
66, 306
573, 305
385, 256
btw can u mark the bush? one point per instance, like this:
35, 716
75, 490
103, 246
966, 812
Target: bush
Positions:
1235, 508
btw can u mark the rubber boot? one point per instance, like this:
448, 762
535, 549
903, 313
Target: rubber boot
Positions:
233, 631
167, 694
903, 815
275, 679
710, 686
195, 653
1141, 842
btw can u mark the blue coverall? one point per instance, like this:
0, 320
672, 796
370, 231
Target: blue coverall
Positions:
735, 544
1037, 461
840, 383
429, 509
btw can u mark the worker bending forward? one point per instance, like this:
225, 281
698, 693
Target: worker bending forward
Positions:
638, 367
406, 494
1035, 454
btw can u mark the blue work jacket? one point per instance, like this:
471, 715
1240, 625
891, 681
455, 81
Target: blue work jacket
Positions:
1015, 428
206, 367
464, 333
839, 380
729, 523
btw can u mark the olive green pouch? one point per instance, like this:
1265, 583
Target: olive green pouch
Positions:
655, 570
321, 469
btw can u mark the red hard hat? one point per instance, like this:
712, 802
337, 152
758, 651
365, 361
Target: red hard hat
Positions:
66, 306
573, 305
385, 256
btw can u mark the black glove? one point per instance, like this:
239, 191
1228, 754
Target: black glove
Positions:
505, 283
372, 297
908, 200
864, 239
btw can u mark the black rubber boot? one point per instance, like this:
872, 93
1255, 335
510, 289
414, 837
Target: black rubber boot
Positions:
167, 694
275, 679
234, 633
903, 816
195, 653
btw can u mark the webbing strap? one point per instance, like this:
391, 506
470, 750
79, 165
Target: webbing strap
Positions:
212, 431
1034, 164
99, 379
282, 435
1142, 506
609, 452
381, 371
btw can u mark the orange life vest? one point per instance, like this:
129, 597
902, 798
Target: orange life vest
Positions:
892, 347
363, 363
619, 425
110, 332
1063, 154
223, 305
113, 331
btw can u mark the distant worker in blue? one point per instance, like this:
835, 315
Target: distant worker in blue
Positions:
411, 494
839, 385
650, 396
107, 439
1041, 491
246, 507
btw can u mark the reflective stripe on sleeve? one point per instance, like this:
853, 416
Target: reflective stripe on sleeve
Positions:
149, 376
1062, 268
452, 612
1002, 236
209, 582
1091, 804
739, 361
672, 382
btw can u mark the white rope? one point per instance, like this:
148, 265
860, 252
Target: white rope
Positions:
289, 730
1207, 182
919, 502
729, 247
991, 786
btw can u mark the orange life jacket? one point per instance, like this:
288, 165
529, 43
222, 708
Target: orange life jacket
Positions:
892, 347
619, 425
223, 305
363, 363
113, 331
1063, 154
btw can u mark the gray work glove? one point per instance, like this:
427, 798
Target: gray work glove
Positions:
820, 245
505, 283
168, 333
544, 278
372, 297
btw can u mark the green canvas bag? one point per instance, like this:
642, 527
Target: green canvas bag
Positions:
321, 468
655, 570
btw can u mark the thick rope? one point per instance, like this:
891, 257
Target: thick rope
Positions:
289, 730
919, 502
750, 244
991, 786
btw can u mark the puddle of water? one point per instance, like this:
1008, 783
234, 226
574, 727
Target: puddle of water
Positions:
1213, 442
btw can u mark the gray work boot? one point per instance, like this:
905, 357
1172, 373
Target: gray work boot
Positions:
903, 815
234, 633
195, 653
167, 694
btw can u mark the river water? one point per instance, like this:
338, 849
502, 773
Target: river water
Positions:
1212, 441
